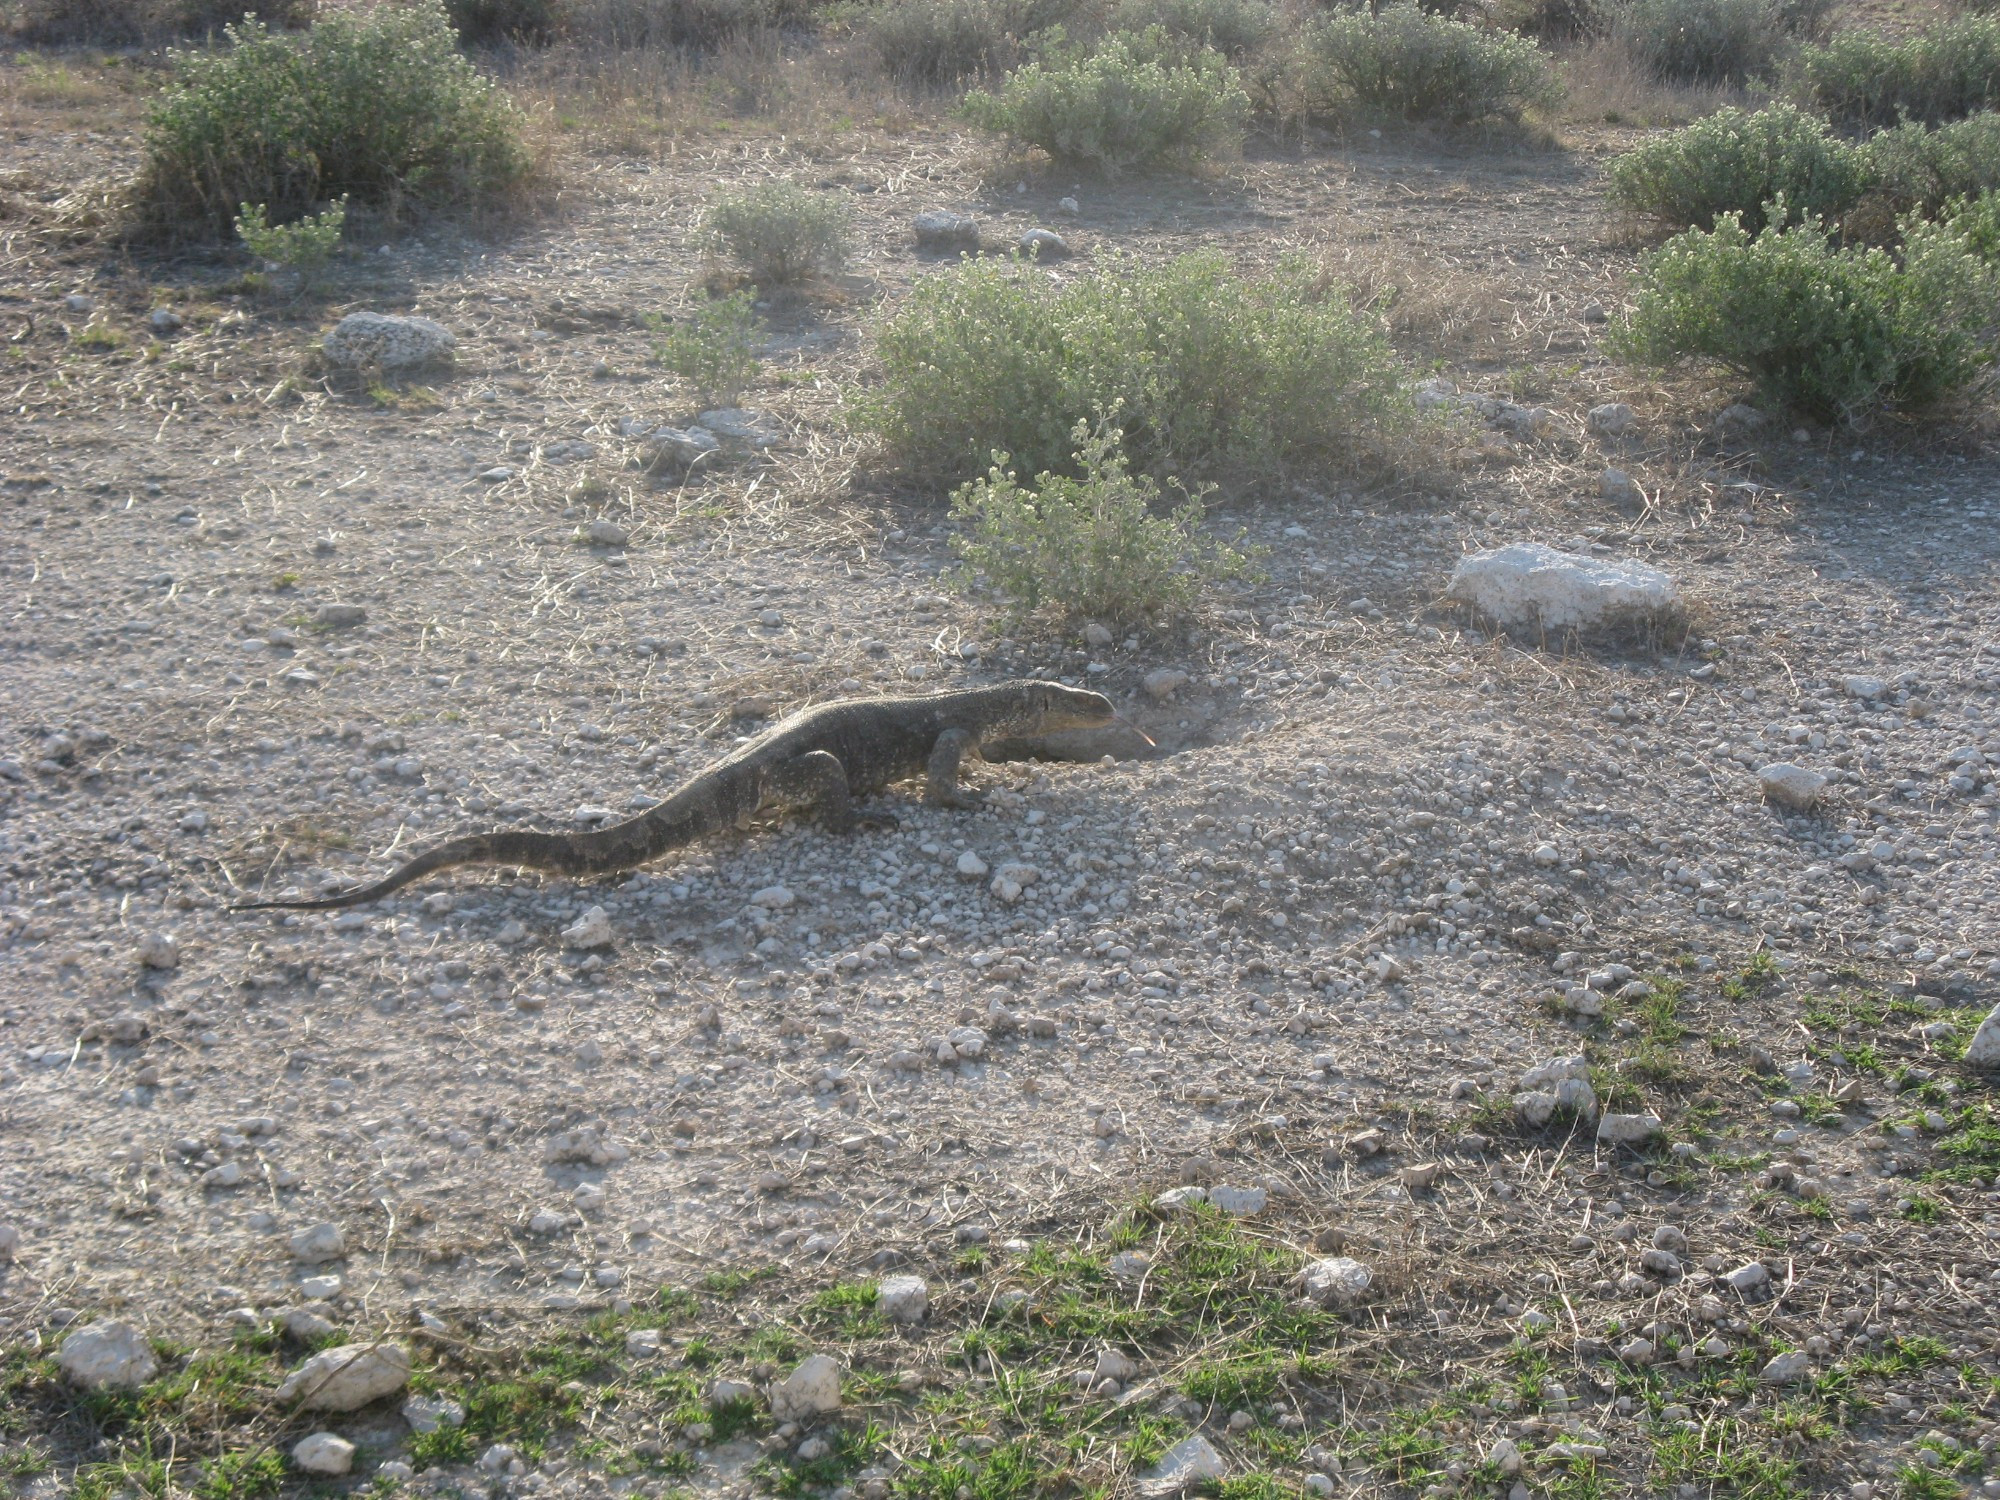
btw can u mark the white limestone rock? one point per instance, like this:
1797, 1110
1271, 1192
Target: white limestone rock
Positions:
323, 1453
1984, 1049
1190, 1463
387, 342
1531, 586
1791, 786
348, 1377
809, 1391
1337, 1281
106, 1354
903, 1299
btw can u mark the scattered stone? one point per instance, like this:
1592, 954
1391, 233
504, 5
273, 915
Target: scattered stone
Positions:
1866, 687
1505, 1455
606, 533
1786, 1368
591, 930
1042, 244
340, 616
943, 233
1983, 1051
737, 428
108, 1354
387, 342
1240, 1202
1620, 488
1737, 422
903, 1299
164, 320
723, 1393
1112, 1364
1753, 1277
10, 1242
971, 866
1628, 1130
1612, 419
1336, 1281
1097, 637
429, 1413
1531, 586
160, 950
1163, 682
348, 1377
318, 1243
1191, 1462
1791, 786
809, 1391
676, 451
323, 1453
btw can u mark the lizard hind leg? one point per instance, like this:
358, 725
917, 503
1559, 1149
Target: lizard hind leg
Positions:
817, 780
941, 788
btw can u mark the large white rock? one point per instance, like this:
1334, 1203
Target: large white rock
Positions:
107, 1354
1336, 1281
1791, 786
323, 1453
903, 1299
318, 1243
381, 341
810, 1390
350, 1376
1530, 586
1984, 1049
1190, 1462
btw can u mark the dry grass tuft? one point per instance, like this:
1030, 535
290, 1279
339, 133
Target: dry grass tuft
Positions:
1605, 84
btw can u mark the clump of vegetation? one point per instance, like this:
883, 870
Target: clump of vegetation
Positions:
1712, 41
1091, 546
1917, 169
689, 25
481, 21
1733, 162
713, 350
1235, 28
302, 247
1209, 374
1944, 72
1832, 332
376, 106
1133, 100
781, 232
124, 23
939, 44
1404, 63
1552, 20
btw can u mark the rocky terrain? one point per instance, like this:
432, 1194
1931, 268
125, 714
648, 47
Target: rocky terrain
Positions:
1510, 966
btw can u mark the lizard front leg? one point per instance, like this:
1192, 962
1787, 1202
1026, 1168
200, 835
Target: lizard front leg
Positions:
818, 780
941, 788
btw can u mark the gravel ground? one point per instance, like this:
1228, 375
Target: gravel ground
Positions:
1382, 866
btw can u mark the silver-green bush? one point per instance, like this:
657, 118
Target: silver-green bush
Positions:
1830, 331
377, 106
1094, 545
1733, 162
1211, 375
1944, 72
1134, 100
781, 232
1406, 64
937, 44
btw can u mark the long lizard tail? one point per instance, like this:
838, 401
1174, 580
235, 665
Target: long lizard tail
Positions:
689, 813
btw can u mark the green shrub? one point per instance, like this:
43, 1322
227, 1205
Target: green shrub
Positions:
937, 44
1977, 222
1732, 162
121, 23
1406, 64
1091, 545
1552, 20
376, 106
1704, 41
1832, 332
715, 349
1210, 374
781, 232
304, 246
1917, 169
1235, 28
1131, 101
1944, 73
689, 25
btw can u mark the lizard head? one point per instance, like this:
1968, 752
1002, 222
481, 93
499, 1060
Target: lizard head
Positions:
1054, 707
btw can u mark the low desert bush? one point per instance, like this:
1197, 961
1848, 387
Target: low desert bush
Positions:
1404, 63
939, 44
1552, 20
1976, 222
1828, 331
1134, 100
1094, 545
1705, 41
1943, 73
122, 23
376, 106
701, 26
1210, 374
714, 348
1235, 28
302, 247
1738, 163
482, 21
780, 232
1917, 169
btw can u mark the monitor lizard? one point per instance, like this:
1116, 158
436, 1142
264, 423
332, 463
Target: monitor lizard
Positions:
821, 758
